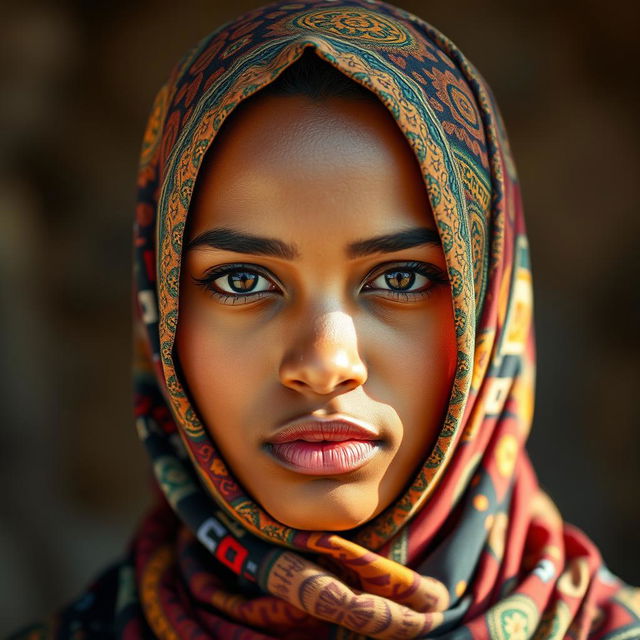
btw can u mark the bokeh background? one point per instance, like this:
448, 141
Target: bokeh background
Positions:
76, 81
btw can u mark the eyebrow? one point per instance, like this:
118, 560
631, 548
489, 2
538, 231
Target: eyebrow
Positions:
231, 240
239, 242
394, 242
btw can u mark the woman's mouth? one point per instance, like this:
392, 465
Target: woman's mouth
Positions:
324, 446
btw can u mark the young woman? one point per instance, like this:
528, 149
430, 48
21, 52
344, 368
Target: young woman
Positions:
336, 355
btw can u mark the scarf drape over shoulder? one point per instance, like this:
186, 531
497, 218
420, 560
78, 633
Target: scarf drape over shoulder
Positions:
472, 549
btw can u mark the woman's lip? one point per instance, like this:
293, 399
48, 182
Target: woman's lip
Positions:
322, 446
324, 458
331, 429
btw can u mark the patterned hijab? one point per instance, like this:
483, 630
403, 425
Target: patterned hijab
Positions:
490, 557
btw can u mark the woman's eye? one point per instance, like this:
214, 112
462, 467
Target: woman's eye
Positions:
244, 281
234, 284
407, 281
400, 280
239, 284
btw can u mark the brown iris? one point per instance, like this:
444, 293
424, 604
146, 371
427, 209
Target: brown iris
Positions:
400, 279
242, 280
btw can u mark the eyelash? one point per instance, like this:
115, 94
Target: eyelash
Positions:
435, 275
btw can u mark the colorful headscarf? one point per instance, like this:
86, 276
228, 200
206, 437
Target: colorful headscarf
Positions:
489, 557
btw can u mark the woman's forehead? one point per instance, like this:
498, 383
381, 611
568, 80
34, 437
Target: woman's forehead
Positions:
298, 133
307, 165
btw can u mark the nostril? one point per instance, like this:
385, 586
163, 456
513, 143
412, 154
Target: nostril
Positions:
301, 385
297, 384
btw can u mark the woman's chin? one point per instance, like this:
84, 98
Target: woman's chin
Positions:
323, 522
338, 510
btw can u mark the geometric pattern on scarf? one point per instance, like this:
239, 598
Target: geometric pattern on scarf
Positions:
473, 549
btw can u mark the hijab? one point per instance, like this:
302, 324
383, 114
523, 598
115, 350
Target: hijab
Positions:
472, 548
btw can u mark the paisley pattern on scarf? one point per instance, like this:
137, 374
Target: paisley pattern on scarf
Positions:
490, 557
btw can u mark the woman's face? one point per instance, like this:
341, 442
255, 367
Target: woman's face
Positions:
316, 333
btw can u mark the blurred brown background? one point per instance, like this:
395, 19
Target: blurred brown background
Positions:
76, 81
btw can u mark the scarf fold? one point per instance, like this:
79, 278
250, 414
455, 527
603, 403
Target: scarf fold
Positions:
472, 549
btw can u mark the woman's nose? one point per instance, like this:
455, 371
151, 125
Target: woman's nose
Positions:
323, 357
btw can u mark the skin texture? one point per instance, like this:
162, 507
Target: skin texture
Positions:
327, 332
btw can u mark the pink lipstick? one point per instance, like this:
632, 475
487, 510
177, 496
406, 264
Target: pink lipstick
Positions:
324, 446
